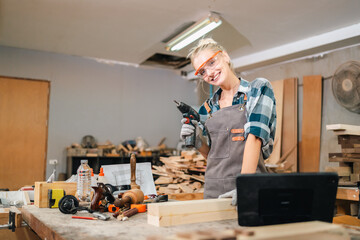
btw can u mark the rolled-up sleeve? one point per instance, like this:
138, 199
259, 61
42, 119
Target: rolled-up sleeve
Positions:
261, 119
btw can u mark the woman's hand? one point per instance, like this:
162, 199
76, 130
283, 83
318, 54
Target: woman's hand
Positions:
200, 141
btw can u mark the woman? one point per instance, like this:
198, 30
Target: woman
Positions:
239, 121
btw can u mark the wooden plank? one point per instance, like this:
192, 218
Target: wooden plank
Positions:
341, 171
340, 157
344, 129
186, 196
278, 87
41, 191
350, 150
23, 130
356, 168
290, 125
314, 230
343, 159
347, 220
350, 139
346, 193
311, 124
176, 213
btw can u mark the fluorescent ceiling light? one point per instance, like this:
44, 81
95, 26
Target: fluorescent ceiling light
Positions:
194, 32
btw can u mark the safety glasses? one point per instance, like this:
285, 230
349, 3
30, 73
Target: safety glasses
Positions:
208, 64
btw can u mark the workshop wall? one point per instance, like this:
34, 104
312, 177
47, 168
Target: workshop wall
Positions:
110, 102
332, 112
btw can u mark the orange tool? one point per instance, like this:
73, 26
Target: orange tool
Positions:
140, 207
112, 208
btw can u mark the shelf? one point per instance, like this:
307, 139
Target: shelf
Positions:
95, 162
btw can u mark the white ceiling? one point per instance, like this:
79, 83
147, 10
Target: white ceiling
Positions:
131, 31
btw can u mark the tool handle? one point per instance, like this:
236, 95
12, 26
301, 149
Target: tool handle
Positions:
130, 212
190, 140
133, 172
133, 168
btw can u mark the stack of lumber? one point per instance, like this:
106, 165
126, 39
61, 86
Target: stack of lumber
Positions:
180, 174
349, 158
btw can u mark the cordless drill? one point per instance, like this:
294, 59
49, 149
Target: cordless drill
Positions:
190, 114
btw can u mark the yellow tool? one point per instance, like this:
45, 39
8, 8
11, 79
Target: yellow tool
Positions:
54, 197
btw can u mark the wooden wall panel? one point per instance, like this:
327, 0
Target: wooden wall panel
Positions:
24, 108
311, 124
289, 145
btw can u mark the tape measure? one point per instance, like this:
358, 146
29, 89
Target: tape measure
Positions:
54, 196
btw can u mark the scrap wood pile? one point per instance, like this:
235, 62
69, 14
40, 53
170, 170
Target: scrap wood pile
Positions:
180, 174
348, 137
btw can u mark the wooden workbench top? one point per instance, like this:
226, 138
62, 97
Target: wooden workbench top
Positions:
52, 224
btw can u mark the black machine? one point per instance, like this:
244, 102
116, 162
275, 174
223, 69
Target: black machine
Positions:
190, 114
266, 199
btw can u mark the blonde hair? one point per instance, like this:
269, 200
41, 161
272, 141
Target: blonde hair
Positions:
207, 44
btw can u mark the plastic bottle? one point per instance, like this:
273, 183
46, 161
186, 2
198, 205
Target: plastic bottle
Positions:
84, 181
101, 177
93, 179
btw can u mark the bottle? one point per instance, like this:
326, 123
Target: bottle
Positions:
101, 177
83, 181
93, 179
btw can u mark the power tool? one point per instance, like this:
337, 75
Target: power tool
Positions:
190, 114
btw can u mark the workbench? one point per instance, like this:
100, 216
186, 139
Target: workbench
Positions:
52, 224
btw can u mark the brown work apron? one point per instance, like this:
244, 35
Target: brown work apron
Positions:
224, 162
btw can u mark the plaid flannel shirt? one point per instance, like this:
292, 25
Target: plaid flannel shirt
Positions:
260, 111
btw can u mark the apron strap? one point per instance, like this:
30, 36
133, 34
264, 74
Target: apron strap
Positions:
208, 109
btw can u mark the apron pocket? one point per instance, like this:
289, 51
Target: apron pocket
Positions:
220, 147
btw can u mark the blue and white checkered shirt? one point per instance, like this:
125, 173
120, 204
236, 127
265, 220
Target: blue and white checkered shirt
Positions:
260, 110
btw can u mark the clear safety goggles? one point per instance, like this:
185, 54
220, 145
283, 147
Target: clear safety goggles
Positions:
211, 63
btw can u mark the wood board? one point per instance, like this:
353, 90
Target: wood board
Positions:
344, 129
186, 212
24, 105
289, 143
186, 196
314, 230
41, 199
311, 124
346, 193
